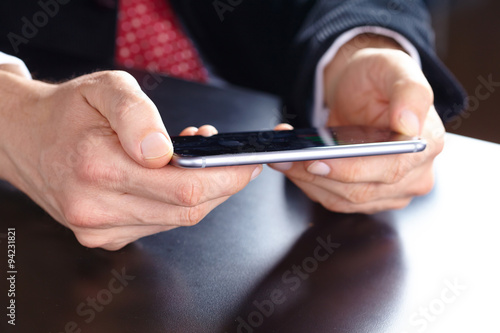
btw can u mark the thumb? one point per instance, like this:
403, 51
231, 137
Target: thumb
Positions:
410, 103
131, 114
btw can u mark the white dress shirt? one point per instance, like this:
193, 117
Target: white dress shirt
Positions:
6, 59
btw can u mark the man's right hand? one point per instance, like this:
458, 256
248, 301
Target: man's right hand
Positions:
93, 152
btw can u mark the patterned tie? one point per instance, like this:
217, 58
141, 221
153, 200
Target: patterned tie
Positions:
149, 37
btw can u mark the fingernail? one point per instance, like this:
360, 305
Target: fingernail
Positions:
154, 146
319, 169
256, 172
409, 123
285, 166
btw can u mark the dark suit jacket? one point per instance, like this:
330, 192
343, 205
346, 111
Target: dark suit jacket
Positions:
271, 45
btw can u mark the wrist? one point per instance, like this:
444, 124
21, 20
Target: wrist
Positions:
19, 97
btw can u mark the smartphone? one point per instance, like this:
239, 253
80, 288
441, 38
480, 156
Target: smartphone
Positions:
289, 146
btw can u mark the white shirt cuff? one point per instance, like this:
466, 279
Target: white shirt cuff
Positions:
6, 59
320, 111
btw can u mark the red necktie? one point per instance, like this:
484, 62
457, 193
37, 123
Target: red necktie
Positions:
149, 37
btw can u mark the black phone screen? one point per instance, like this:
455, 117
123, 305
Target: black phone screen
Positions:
269, 141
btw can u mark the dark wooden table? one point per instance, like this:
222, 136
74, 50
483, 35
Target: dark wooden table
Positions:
268, 259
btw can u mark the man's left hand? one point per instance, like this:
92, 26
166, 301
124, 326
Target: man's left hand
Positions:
376, 87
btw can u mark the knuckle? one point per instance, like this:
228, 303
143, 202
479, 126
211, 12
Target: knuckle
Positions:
418, 84
100, 174
331, 205
128, 92
115, 246
84, 214
391, 205
425, 186
77, 214
113, 76
89, 241
192, 215
349, 174
425, 90
88, 226
421, 92
233, 182
335, 204
400, 168
435, 132
190, 193
395, 175
103, 240
400, 204
125, 108
228, 181
302, 176
438, 146
360, 194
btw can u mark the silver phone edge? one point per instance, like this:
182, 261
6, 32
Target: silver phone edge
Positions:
359, 150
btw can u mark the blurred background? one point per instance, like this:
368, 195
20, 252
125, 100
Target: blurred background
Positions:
468, 41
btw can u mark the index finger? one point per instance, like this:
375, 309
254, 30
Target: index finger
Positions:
188, 187
387, 169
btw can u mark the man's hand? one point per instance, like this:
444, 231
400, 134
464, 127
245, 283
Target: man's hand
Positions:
380, 87
93, 153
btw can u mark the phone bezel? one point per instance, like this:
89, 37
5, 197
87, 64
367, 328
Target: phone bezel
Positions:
314, 153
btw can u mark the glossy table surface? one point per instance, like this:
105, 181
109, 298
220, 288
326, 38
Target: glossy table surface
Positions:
268, 259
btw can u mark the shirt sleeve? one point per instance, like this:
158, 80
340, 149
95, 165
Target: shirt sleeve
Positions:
320, 111
6, 59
